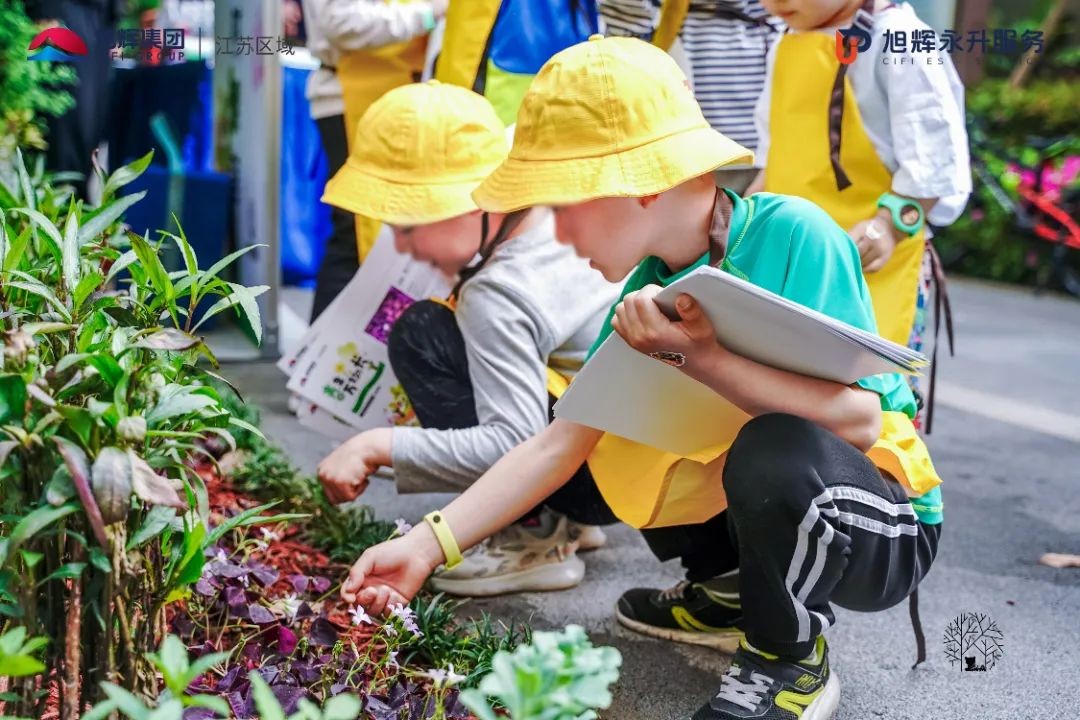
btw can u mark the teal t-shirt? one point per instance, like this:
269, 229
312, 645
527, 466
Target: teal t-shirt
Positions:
792, 247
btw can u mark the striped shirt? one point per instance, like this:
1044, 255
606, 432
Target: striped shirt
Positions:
727, 56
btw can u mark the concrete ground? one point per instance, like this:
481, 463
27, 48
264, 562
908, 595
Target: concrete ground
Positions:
1007, 441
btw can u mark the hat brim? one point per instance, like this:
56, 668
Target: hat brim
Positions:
648, 169
363, 193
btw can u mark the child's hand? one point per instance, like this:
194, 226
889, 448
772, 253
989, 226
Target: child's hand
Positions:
392, 572
876, 239
645, 328
344, 472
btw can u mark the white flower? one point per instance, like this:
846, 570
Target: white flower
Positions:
401, 527
260, 545
443, 678
221, 557
359, 617
244, 580
392, 657
407, 617
269, 535
291, 604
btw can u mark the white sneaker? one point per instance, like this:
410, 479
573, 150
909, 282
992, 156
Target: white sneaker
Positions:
517, 559
589, 537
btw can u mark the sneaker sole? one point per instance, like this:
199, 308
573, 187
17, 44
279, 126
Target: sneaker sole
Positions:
824, 707
728, 642
546, 578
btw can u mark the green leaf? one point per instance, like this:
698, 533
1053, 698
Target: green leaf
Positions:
31, 558
36, 521
17, 249
121, 263
6, 446
151, 487
235, 298
70, 251
66, 571
20, 666
60, 488
89, 283
44, 292
44, 223
12, 641
267, 705
45, 328
106, 216
191, 263
477, 704
151, 263
107, 367
29, 196
102, 711
112, 479
125, 701
125, 175
168, 339
190, 567
157, 519
99, 560
78, 420
224, 262
12, 398
342, 707
173, 663
210, 702
177, 404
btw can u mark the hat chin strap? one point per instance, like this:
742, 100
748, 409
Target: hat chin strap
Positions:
509, 223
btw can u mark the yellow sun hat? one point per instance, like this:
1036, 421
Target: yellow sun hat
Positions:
608, 117
419, 152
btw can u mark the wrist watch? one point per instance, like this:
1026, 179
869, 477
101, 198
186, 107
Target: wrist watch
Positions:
907, 215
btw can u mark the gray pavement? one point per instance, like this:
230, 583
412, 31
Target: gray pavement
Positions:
1007, 442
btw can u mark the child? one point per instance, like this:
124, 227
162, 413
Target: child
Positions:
879, 143
610, 135
476, 376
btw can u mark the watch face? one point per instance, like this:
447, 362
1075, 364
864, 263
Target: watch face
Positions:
909, 215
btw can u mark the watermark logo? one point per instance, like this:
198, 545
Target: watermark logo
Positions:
974, 642
158, 44
56, 44
850, 42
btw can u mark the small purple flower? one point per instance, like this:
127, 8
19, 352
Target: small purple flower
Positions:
401, 527
360, 617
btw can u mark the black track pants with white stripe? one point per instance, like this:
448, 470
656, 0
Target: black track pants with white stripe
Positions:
816, 524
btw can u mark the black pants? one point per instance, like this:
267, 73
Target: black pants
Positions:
812, 523
340, 262
427, 354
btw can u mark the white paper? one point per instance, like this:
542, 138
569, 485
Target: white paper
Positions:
341, 368
629, 394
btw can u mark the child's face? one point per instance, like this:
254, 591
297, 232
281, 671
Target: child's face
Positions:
605, 232
805, 15
449, 245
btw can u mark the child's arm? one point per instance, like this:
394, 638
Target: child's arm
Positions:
393, 572
878, 237
851, 412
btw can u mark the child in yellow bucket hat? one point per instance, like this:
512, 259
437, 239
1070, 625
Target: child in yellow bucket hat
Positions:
476, 374
610, 135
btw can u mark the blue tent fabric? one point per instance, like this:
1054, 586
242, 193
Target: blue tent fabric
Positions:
305, 221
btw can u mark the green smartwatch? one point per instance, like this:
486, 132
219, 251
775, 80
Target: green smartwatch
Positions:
907, 215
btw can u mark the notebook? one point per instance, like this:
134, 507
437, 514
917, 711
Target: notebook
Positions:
629, 394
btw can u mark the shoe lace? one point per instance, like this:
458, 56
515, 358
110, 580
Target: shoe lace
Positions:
746, 695
675, 592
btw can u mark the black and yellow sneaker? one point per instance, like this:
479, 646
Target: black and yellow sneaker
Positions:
764, 687
705, 613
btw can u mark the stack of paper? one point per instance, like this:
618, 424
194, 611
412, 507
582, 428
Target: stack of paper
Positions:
340, 368
629, 394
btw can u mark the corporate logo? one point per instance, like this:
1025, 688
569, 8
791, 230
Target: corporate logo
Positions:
56, 44
850, 42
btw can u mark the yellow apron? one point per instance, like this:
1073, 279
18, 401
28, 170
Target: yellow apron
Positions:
799, 164
365, 76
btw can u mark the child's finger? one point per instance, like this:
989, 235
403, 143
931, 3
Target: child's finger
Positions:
382, 597
694, 321
360, 570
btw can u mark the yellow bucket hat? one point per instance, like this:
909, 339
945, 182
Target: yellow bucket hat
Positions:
419, 152
609, 117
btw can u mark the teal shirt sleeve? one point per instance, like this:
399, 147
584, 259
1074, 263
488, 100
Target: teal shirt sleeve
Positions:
824, 272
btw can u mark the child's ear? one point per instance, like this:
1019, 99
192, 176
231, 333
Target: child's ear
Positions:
647, 200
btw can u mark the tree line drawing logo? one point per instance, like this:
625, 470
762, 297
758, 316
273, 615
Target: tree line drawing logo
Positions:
974, 641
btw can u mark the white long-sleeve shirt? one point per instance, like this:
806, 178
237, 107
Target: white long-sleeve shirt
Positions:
337, 26
913, 113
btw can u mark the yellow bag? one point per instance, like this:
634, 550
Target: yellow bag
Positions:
649, 488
